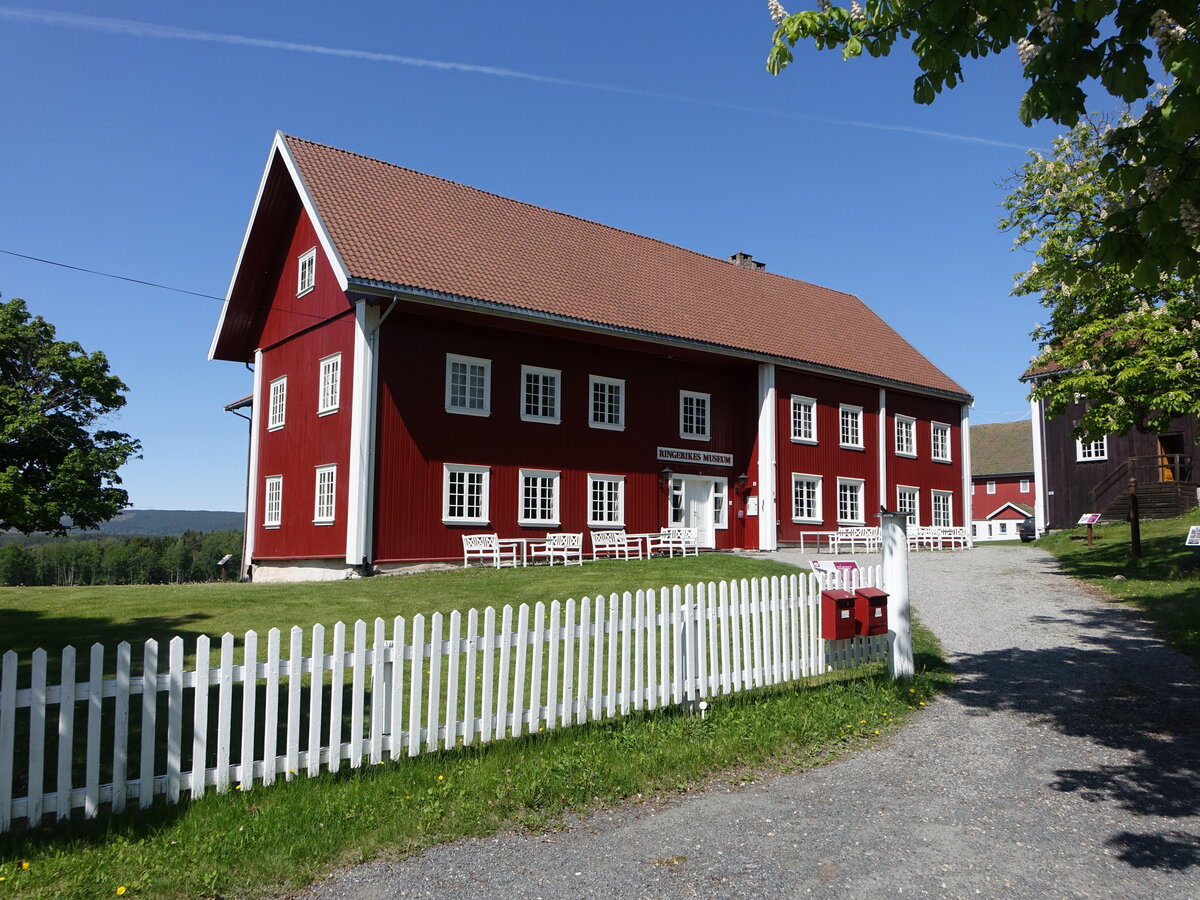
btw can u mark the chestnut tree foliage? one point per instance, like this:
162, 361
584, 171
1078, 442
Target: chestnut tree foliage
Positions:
1130, 347
54, 459
1151, 162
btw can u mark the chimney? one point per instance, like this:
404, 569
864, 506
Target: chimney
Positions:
746, 261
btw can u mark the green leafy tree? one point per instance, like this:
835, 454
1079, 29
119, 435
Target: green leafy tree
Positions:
54, 460
1151, 161
1131, 349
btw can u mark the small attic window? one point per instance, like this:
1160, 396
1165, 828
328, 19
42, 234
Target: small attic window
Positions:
306, 274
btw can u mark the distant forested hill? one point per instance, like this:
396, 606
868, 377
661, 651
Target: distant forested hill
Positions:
149, 522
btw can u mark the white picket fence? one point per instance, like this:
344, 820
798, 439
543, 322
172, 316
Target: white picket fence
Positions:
427, 685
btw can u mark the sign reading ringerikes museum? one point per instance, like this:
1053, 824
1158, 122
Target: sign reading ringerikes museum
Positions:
700, 457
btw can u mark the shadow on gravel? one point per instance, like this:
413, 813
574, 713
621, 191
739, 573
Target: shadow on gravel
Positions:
1124, 689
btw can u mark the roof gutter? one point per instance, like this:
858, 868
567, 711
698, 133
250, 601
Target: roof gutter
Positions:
429, 297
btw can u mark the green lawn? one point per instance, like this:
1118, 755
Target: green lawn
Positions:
1165, 584
54, 617
269, 841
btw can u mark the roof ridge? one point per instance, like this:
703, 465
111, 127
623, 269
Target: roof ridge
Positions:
586, 221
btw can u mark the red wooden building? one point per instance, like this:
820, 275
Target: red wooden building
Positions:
432, 360
1003, 487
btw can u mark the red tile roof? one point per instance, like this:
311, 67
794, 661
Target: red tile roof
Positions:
403, 228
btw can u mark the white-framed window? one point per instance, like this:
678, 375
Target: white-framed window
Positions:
991, 487
908, 500
273, 501
720, 503
943, 509
694, 410
1004, 528
851, 501
465, 491
326, 494
540, 395
851, 419
906, 436
676, 513
1024, 485
468, 385
941, 441
806, 498
306, 272
330, 393
607, 403
606, 499
1091, 451
538, 502
804, 420
277, 404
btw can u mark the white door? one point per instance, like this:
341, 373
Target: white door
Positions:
698, 509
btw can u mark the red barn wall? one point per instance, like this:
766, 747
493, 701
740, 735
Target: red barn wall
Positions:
289, 314
306, 440
416, 435
1008, 490
925, 472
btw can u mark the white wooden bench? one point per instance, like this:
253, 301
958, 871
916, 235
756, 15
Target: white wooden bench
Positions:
615, 544
566, 546
488, 548
669, 541
849, 539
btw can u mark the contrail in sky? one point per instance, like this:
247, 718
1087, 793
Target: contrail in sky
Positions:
131, 28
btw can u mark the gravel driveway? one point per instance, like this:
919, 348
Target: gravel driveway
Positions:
1064, 763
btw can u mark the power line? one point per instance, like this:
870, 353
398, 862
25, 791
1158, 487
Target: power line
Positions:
153, 284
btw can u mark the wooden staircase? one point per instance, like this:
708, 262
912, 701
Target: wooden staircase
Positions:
1166, 500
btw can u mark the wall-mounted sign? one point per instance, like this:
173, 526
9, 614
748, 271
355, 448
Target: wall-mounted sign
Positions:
700, 457
752, 506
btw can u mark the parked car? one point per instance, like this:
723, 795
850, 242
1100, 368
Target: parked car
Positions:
1027, 529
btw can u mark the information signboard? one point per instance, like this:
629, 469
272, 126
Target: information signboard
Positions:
1089, 519
1193, 537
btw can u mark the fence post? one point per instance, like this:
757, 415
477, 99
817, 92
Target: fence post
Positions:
895, 581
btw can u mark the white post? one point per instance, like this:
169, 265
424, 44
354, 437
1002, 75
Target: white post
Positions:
895, 582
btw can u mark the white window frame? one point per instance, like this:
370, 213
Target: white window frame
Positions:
720, 504
549, 414
618, 516
939, 436
948, 498
607, 385
272, 506
859, 486
818, 515
325, 495
914, 494
329, 387
1024, 485
277, 404
453, 359
1091, 451
449, 469
991, 487
546, 478
906, 436
802, 435
697, 399
848, 414
306, 272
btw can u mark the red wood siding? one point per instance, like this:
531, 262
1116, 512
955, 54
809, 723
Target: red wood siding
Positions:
1008, 490
289, 314
307, 440
923, 471
416, 436
827, 457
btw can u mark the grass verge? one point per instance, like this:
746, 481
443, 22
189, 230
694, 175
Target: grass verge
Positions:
1164, 584
269, 841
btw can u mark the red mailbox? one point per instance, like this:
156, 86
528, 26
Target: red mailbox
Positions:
870, 611
837, 615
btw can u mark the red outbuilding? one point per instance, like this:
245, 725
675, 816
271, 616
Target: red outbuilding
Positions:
431, 360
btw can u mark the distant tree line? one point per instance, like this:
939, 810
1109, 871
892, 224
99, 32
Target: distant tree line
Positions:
80, 560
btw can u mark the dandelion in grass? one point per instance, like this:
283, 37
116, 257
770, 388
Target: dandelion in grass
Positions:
24, 864
441, 778
121, 891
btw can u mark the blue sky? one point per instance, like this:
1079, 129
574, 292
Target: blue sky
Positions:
135, 134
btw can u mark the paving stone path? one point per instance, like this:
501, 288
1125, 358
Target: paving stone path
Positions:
1064, 763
